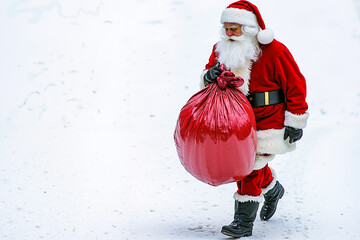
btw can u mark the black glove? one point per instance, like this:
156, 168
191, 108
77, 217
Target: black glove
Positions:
212, 74
294, 133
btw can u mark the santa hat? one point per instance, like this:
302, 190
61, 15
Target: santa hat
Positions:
246, 13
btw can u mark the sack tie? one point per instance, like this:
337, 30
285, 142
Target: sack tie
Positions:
228, 79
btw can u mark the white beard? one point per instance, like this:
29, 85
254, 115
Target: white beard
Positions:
238, 56
237, 53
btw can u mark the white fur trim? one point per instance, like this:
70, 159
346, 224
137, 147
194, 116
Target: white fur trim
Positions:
272, 141
244, 72
265, 36
272, 184
202, 81
261, 160
240, 16
248, 198
296, 120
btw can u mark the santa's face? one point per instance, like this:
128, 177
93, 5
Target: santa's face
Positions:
236, 48
232, 29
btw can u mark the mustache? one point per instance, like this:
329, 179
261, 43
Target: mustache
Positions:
233, 38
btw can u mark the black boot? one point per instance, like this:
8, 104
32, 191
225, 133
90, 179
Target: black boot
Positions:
244, 217
272, 198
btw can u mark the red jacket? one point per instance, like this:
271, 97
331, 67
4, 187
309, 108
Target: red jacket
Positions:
275, 69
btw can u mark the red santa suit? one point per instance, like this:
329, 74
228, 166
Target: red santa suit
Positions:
274, 69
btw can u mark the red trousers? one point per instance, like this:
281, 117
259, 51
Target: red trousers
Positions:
255, 181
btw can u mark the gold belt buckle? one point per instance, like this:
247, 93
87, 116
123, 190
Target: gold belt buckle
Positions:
266, 98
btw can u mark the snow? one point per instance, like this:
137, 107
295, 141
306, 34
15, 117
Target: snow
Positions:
90, 94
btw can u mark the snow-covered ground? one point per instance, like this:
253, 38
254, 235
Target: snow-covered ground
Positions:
90, 92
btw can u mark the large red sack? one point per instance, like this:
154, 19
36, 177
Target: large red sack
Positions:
215, 134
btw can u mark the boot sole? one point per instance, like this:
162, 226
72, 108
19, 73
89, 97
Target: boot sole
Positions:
234, 235
281, 195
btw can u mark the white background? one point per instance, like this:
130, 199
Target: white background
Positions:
90, 92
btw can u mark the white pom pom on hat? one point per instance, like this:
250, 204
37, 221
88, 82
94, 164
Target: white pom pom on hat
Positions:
246, 13
265, 36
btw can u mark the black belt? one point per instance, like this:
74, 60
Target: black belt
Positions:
260, 99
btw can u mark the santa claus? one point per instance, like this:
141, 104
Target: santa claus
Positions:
276, 90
